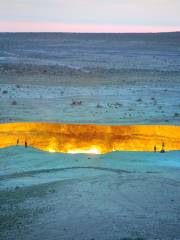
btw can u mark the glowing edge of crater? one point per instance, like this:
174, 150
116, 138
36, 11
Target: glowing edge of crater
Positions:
89, 138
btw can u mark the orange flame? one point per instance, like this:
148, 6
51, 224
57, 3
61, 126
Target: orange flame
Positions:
90, 138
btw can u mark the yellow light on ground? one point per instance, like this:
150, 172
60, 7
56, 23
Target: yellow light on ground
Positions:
51, 151
90, 138
87, 151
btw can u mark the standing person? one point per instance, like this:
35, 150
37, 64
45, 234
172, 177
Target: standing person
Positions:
155, 149
162, 150
25, 144
17, 142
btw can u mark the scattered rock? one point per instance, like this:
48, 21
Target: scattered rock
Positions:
76, 103
117, 104
18, 86
139, 100
4, 92
176, 114
114, 105
98, 106
14, 103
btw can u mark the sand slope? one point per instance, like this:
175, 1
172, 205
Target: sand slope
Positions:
113, 196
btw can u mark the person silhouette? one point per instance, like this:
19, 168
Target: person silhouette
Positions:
17, 142
25, 144
155, 149
162, 150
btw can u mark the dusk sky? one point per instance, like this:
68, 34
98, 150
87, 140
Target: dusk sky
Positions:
90, 15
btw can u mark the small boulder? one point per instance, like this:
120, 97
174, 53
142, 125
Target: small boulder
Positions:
139, 100
176, 114
14, 103
98, 106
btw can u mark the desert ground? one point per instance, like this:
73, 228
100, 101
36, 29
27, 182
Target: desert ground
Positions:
121, 195
99, 79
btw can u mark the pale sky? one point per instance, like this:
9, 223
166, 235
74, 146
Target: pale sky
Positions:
90, 15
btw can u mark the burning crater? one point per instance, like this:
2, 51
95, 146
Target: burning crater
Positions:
90, 138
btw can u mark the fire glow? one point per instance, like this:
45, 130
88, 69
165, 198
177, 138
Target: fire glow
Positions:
89, 138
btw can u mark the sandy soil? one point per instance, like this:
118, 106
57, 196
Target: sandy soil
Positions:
119, 79
115, 196
126, 104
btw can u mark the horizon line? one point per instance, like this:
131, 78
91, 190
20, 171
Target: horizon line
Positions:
83, 28
74, 32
